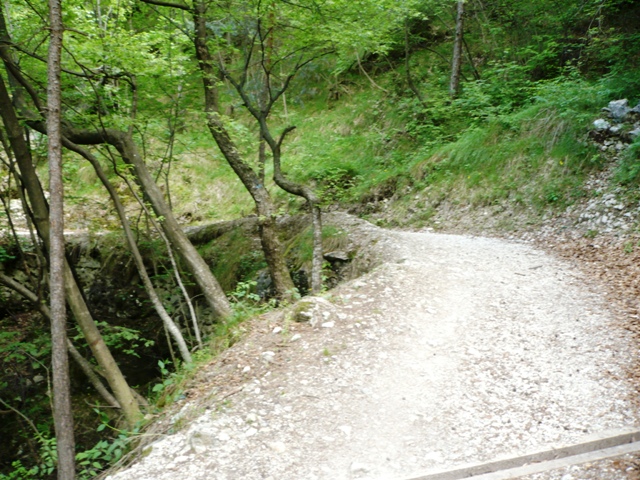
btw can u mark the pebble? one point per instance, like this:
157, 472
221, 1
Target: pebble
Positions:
278, 447
357, 467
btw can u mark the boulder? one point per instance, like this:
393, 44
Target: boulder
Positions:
313, 310
618, 109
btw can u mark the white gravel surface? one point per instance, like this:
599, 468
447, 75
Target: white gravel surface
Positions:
453, 350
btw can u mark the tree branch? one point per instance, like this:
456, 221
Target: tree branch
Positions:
161, 3
284, 134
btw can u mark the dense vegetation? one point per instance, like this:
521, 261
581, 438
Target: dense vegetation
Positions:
184, 112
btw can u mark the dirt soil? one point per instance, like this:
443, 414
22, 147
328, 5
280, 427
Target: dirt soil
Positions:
453, 349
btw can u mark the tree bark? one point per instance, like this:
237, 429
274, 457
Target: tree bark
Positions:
62, 412
73, 294
456, 64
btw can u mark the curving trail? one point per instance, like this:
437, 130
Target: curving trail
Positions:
453, 350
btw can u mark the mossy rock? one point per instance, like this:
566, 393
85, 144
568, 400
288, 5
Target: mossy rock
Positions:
313, 310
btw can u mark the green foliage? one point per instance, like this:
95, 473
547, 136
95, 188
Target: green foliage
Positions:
246, 303
15, 348
4, 255
629, 169
122, 339
514, 136
48, 457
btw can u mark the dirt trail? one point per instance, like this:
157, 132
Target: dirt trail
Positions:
454, 349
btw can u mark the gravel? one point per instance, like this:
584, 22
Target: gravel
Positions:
453, 350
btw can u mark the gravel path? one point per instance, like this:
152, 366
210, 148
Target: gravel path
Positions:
453, 350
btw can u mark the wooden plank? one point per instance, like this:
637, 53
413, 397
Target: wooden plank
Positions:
594, 443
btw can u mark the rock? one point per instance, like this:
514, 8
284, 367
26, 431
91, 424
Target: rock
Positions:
200, 441
633, 134
357, 467
601, 125
328, 324
296, 337
313, 310
268, 356
337, 255
264, 285
278, 447
277, 330
618, 109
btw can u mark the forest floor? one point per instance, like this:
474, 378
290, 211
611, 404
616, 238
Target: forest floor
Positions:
453, 349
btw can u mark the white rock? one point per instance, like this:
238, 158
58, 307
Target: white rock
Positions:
268, 356
277, 330
357, 467
278, 447
246, 369
296, 337
251, 432
328, 324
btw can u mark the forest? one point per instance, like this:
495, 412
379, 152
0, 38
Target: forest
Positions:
165, 165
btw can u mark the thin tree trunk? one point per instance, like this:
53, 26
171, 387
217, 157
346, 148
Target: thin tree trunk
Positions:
271, 244
456, 64
127, 148
87, 369
74, 296
407, 66
135, 252
318, 257
125, 145
302, 191
62, 412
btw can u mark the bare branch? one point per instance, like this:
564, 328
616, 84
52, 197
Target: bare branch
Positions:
284, 134
373, 83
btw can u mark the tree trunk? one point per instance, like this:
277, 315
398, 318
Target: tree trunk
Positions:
271, 244
125, 145
210, 287
407, 65
173, 329
127, 148
62, 412
456, 64
74, 296
302, 191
